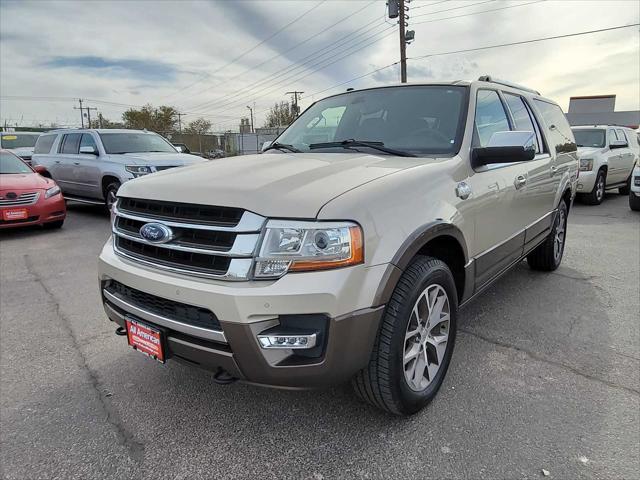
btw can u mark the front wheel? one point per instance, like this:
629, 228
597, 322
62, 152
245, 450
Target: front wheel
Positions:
415, 341
110, 194
627, 188
548, 255
634, 202
596, 195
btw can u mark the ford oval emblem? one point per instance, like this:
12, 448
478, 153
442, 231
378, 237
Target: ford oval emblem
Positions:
156, 233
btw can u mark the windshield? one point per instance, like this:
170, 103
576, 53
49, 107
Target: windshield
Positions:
135, 142
415, 119
18, 140
9, 163
589, 138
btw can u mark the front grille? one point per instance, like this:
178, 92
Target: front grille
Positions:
8, 200
180, 312
196, 245
22, 220
200, 214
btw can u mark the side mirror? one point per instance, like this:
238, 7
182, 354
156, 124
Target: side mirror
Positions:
40, 169
265, 145
89, 150
178, 148
505, 147
618, 144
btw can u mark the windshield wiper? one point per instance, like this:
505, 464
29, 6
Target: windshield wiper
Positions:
361, 143
282, 146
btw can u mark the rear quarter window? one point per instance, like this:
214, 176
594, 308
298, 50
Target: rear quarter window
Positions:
560, 134
44, 143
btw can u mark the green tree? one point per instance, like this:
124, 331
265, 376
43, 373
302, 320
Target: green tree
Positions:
198, 127
162, 119
102, 122
280, 114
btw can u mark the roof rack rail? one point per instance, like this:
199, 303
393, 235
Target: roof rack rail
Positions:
489, 78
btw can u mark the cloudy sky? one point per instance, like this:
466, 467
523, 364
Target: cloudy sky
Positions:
214, 58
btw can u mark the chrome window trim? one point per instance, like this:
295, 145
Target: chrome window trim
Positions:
238, 270
209, 334
249, 222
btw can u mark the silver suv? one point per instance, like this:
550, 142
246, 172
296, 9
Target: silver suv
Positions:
90, 165
344, 251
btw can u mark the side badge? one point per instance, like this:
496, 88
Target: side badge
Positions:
463, 190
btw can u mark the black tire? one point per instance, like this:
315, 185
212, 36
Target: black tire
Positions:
596, 196
627, 188
54, 225
634, 202
110, 194
548, 255
383, 383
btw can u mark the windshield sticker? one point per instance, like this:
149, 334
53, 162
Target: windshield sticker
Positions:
10, 137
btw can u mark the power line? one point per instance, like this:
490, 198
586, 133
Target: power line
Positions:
297, 45
246, 52
454, 8
477, 13
428, 5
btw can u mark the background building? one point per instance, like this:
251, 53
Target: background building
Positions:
600, 110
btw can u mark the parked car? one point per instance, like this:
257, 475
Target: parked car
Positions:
607, 156
347, 256
26, 197
20, 143
216, 153
90, 165
634, 194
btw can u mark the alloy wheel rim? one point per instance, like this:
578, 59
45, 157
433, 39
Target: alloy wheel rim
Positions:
426, 337
600, 188
558, 241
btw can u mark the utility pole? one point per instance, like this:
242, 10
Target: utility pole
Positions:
251, 110
403, 44
295, 94
88, 109
81, 112
180, 115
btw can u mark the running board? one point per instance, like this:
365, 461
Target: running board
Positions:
83, 200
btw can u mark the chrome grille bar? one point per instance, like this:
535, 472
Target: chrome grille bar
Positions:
22, 199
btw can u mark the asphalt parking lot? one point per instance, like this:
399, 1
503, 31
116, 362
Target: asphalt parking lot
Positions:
546, 375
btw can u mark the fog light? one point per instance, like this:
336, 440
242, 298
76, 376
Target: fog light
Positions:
287, 341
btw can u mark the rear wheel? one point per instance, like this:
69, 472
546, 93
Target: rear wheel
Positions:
596, 195
548, 255
627, 188
415, 341
110, 194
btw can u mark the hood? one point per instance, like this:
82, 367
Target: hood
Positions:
24, 181
158, 158
22, 151
273, 185
587, 151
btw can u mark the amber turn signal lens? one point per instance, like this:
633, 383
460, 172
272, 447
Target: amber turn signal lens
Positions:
356, 257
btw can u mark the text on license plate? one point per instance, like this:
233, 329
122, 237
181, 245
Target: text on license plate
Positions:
145, 339
15, 214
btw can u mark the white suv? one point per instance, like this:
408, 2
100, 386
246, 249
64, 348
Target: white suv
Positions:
607, 156
634, 194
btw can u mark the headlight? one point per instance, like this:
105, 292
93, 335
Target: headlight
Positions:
303, 246
52, 191
139, 170
586, 164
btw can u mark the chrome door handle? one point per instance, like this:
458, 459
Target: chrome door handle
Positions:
76, 163
554, 170
520, 181
57, 161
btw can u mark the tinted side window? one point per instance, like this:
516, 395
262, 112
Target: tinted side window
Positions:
70, 143
560, 133
490, 116
521, 116
88, 141
44, 143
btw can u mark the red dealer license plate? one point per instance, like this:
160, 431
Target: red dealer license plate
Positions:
145, 339
15, 214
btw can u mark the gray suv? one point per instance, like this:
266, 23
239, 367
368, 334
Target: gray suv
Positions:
90, 165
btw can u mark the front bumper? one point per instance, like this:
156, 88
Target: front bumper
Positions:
343, 297
45, 210
586, 181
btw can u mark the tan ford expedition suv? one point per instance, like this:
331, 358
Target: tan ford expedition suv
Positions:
345, 250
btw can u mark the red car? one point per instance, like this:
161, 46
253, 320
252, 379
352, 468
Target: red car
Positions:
26, 197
